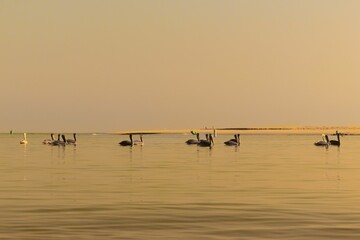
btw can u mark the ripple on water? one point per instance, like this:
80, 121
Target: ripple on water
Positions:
284, 189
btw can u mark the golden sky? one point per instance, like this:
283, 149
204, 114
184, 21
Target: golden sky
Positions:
89, 65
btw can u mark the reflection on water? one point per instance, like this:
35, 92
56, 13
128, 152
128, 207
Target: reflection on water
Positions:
270, 187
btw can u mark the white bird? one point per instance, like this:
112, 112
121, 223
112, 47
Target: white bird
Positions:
24, 141
139, 142
336, 142
324, 142
49, 141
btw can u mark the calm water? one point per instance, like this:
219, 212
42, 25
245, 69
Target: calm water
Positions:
271, 187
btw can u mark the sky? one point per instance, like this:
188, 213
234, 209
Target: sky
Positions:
104, 66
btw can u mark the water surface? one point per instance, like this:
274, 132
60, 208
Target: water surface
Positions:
271, 187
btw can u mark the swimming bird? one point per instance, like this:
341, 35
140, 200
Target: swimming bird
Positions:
58, 142
233, 142
234, 139
63, 142
139, 142
126, 142
49, 141
324, 142
55, 142
336, 142
194, 141
207, 143
204, 140
238, 138
71, 141
24, 141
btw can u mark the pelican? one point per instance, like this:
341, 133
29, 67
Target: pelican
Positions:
336, 142
324, 142
194, 141
207, 143
71, 141
234, 139
126, 142
49, 141
238, 139
58, 142
63, 142
24, 141
204, 140
139, 142
55, 142
233, 142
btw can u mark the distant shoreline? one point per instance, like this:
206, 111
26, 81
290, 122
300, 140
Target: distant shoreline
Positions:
347, 130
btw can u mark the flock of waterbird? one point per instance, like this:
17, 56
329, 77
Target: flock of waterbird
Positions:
326, 141
54, 142
207, 142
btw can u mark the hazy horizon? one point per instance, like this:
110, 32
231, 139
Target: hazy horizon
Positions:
105, 66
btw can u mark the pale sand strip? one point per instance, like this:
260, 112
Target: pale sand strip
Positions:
353, 130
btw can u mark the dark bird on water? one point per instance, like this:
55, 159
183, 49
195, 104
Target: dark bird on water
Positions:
71, 141
127, 142
233, 142
336, 142
194, 141
58, 142
207, 143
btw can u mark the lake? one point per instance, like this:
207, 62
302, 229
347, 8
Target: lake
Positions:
270, 187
